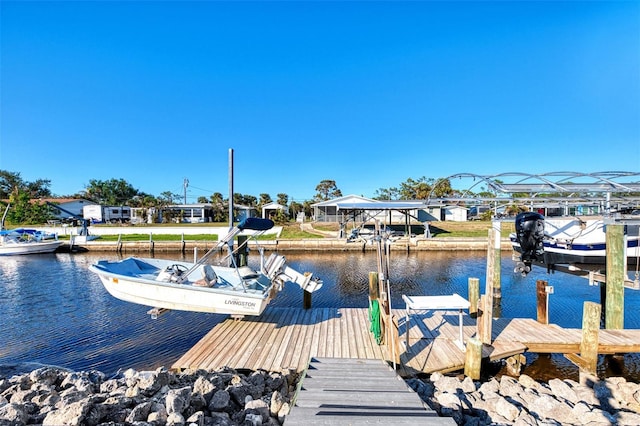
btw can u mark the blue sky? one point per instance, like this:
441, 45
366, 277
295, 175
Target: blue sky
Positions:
367, 94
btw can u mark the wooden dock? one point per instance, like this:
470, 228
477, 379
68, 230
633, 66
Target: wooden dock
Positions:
339, 391
287, 338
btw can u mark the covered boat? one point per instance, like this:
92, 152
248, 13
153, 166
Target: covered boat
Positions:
201, 286
27, 241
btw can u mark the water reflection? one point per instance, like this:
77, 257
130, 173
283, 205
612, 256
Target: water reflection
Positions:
54, 311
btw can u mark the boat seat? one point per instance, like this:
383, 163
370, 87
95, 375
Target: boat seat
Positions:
209, 277
247, 273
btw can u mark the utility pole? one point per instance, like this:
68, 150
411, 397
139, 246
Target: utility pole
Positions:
185, 184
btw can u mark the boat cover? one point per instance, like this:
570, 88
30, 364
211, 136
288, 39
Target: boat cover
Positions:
255, 224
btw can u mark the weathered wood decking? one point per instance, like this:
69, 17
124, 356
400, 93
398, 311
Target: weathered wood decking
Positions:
287, 338
339, 391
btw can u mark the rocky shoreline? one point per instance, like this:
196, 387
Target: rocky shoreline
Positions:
55, 396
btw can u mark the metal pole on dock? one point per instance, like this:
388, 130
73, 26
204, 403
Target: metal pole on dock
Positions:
230, 244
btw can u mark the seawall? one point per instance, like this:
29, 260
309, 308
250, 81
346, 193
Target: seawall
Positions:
312, 244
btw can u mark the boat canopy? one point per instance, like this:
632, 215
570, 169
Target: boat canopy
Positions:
19, 231
255, 224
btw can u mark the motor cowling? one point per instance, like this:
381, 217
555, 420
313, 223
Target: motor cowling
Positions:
530, 236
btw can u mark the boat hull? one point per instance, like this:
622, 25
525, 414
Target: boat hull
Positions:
46, 246
228, 296
570, 241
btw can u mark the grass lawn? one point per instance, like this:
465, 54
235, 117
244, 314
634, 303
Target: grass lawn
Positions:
292, 230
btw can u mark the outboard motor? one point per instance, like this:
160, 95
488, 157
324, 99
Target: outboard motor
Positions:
530, 235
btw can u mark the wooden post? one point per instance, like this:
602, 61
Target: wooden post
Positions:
151, 245
474, 296
306, 299
487, 317
589, 343
542, 301
616, 261
491, 265
374, 288
473, 358
394, 343
479, 319
483, 321
497, 257
243, 251
486, 302
182, 245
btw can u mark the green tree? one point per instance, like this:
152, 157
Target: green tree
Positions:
264, 199
112, 192
442, 188
280, 217
25, 211
283, 199
326, 190
245, 200
9, 181
168, 198
308, 210
387, 194
220, 209
295, 208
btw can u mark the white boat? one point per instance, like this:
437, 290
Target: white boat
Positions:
200, 286
565, 241
27, 241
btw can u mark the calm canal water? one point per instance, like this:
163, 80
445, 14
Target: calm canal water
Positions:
54, 311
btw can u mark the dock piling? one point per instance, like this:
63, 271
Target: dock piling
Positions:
542, 297
474, 295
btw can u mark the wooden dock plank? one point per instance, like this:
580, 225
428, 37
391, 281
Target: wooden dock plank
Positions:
368, 339
299, 345
242, 341
260, 346
284, 343
259, 328
273, 344
213, 347
315, 343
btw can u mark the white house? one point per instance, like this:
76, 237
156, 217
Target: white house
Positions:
455, 213
269, 210
70, 208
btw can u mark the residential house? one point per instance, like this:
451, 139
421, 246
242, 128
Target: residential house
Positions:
270, 210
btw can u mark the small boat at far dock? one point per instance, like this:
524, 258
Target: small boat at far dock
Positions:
201, 286
27, 241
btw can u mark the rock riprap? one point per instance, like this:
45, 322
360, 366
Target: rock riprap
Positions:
524, 401
54, 396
